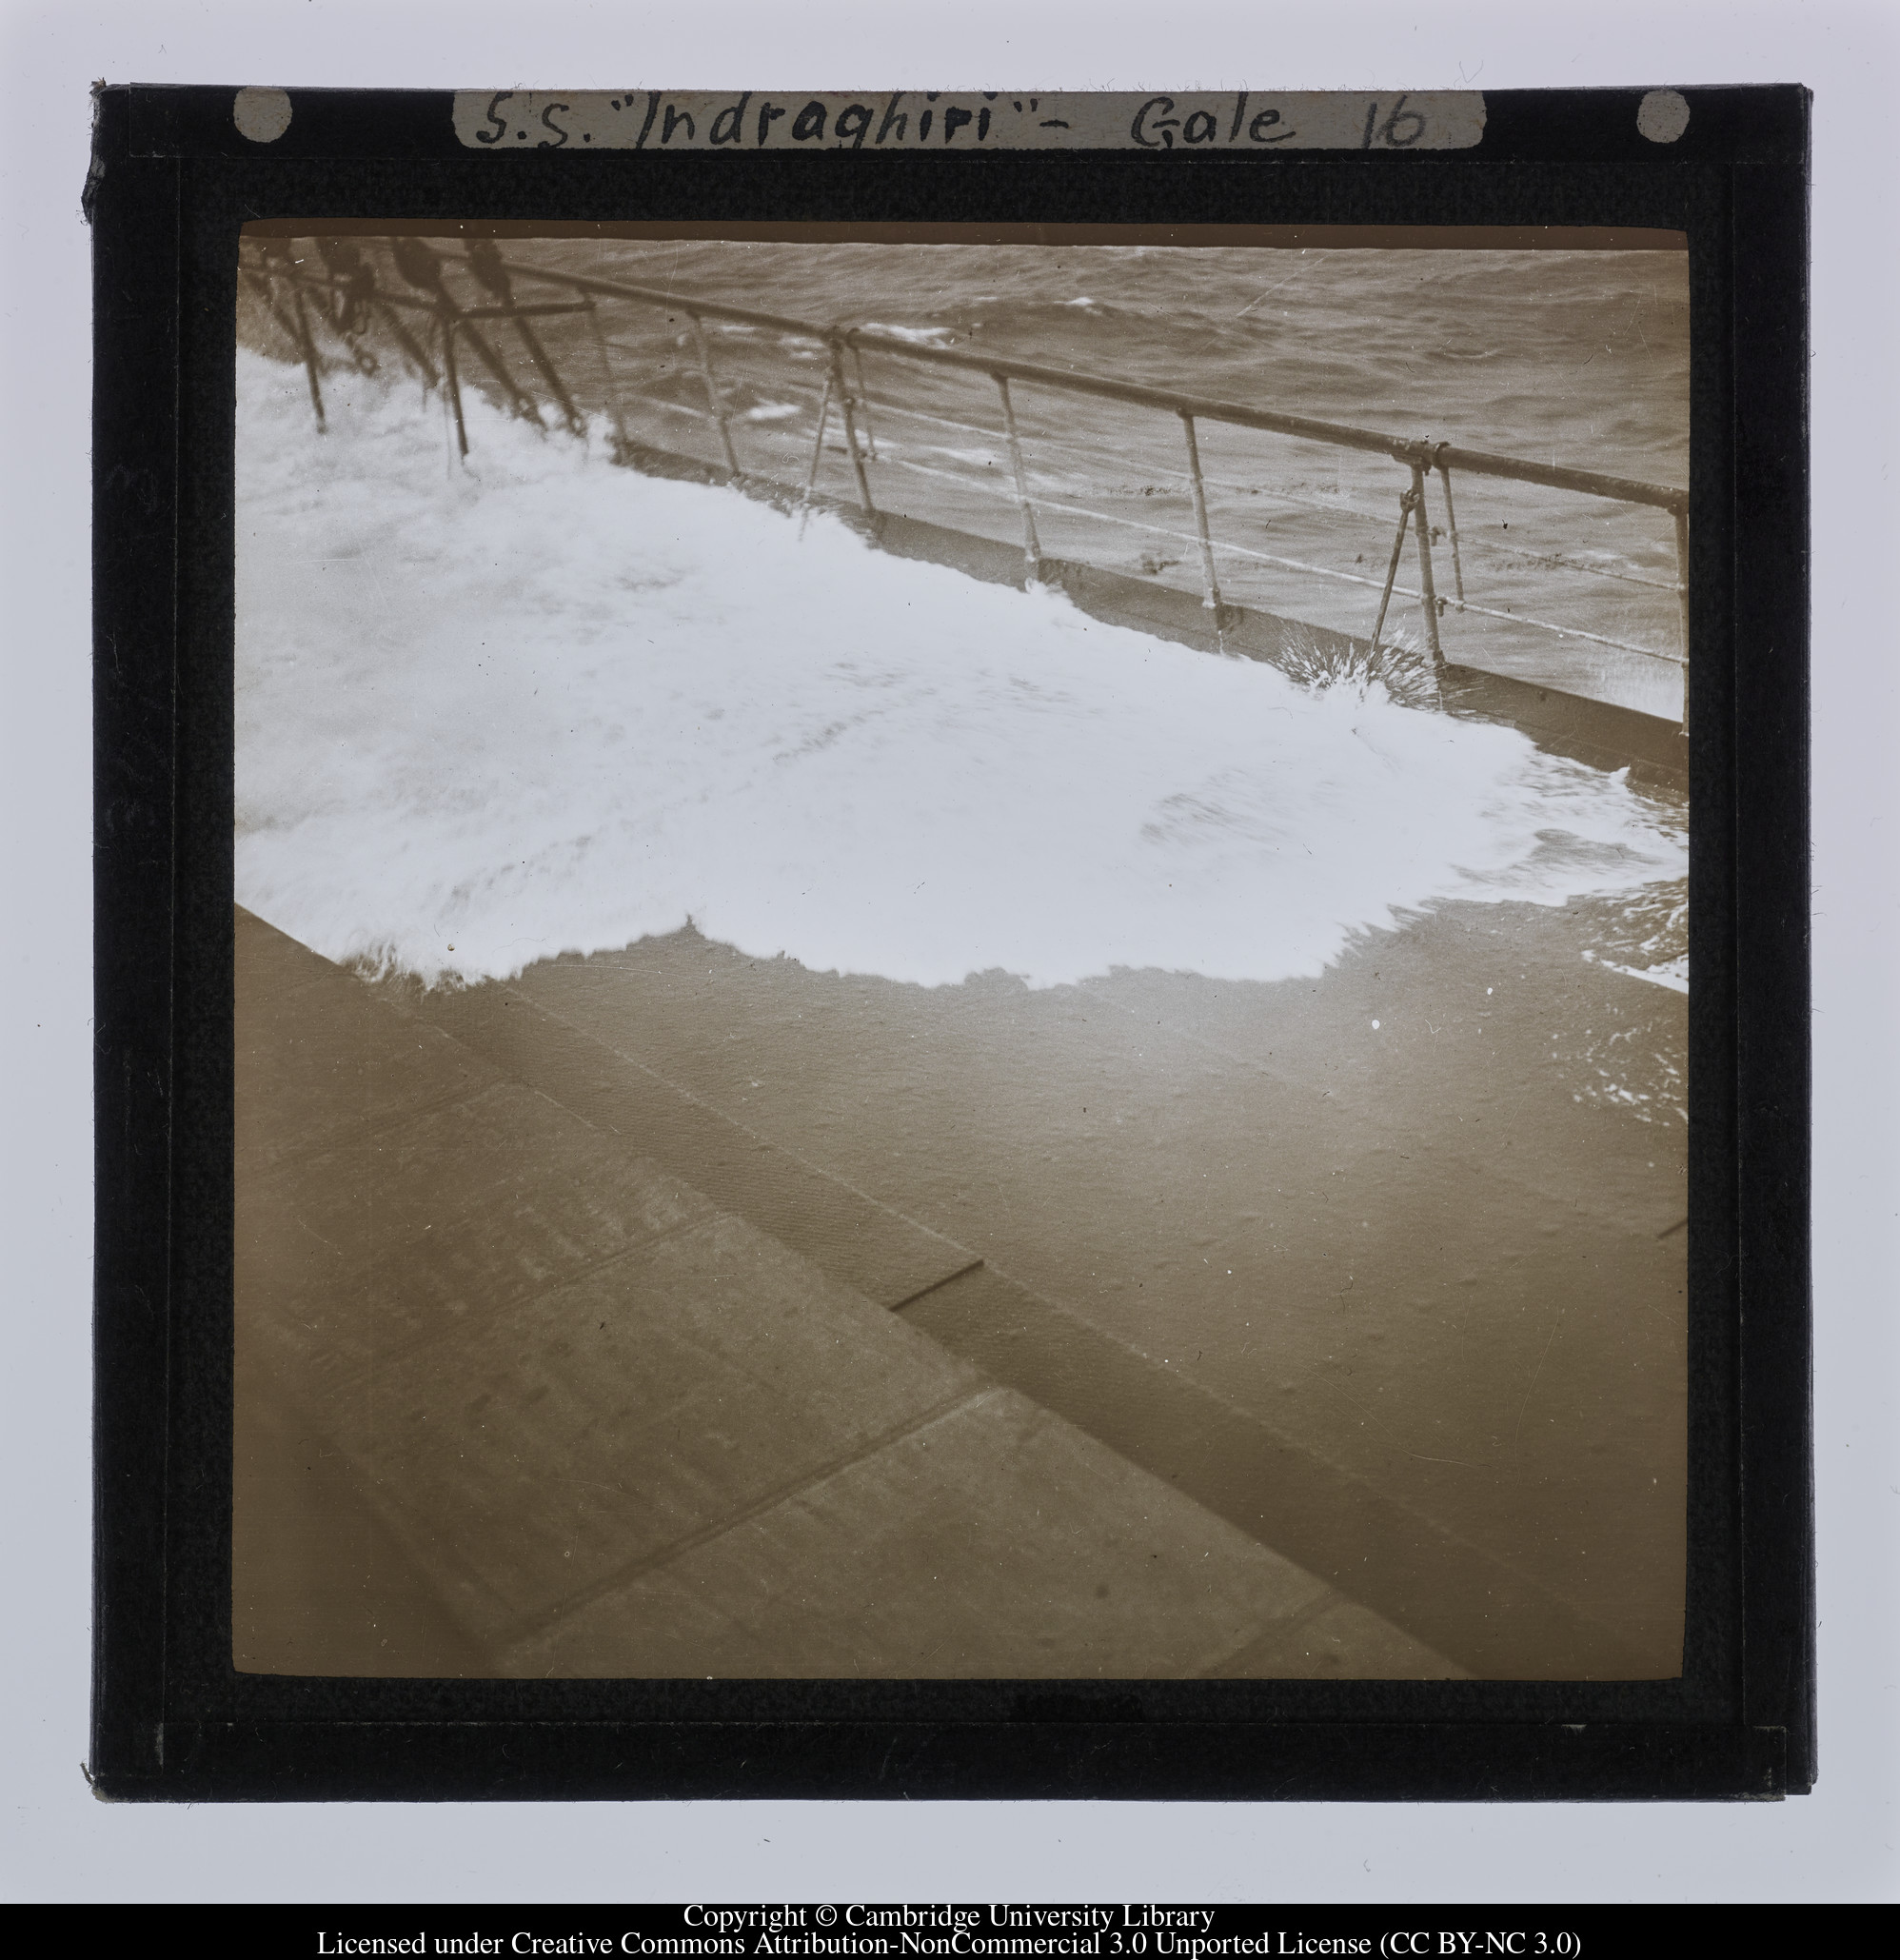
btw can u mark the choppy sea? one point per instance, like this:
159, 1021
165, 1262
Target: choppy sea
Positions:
1566, 357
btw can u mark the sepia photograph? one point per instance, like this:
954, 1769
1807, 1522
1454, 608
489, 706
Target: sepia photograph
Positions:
961, 953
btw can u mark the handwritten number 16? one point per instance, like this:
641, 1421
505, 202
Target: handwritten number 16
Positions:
1387, 131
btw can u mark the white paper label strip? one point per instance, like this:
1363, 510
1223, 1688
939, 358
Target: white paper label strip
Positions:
1185, 121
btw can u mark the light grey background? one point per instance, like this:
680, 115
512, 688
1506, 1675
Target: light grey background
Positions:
56, 1843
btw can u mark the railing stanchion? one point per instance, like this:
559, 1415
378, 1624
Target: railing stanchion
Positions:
1210, 586
1682, 602
1426, 590
1031, 545
713, 395
453, 379
850, 427
1451, 524
816, 454
608, 386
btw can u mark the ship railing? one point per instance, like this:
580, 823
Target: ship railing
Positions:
355, 288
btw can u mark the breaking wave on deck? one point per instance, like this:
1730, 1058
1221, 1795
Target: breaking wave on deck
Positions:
545, 704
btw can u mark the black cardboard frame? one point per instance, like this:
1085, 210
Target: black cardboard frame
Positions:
171, 183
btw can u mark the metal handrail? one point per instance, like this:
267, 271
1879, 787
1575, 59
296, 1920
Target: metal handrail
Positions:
1405, 450
1422, 458
1335, 508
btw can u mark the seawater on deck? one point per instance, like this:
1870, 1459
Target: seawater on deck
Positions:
1289, 1336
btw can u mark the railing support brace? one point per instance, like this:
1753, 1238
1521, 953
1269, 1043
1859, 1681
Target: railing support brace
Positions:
453, 379
865, 401
851, 428
552, 375
413, 349
1210, 585
308, 343
816, 454
1428, 591
485, 263
521, 402
1406, 504
713, 396
1031, 545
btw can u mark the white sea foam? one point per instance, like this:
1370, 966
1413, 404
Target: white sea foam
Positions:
543, 703
918, 336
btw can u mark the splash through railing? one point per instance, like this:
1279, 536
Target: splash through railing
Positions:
461, 300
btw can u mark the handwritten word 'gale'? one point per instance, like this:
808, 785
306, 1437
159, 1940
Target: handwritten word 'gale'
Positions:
516, 121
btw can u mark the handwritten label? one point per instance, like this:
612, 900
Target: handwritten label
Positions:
1182, 123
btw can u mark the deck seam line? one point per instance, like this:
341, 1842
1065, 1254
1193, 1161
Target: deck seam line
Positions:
709, 1108
940, 1411
415, 1345
364, 1131
1278, 1439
